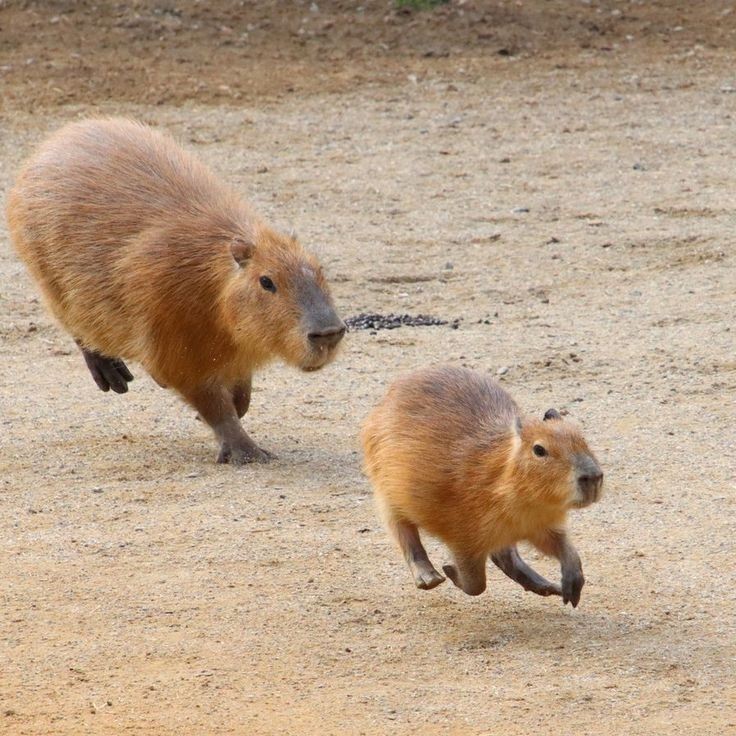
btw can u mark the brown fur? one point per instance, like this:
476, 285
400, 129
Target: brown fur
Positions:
143, 254
447, 452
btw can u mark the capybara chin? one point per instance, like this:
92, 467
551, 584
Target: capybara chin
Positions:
447, 451
143, 254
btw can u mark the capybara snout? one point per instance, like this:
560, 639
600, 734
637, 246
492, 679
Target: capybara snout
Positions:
589, 480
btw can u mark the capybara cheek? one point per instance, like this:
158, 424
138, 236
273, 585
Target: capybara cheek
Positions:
293, 347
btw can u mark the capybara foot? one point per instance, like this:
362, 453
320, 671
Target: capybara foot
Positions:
572, 586
108, 373
473, 585
452, 573
427, 578
551, 589
243, 454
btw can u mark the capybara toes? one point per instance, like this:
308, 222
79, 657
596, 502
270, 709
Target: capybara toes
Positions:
448, 452
143, 254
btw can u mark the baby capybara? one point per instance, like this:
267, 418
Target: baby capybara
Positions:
143, 254
448, 452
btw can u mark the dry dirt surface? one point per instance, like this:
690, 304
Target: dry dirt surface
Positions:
559, 177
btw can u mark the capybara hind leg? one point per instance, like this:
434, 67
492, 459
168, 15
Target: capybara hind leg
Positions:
468, 574
407, 536
108, 373
555, 542
509, 561
216, 407
241, 397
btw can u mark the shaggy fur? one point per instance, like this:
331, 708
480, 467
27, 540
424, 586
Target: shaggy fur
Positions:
447, 451
143, 254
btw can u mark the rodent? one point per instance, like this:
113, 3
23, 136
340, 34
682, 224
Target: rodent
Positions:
448, 452
143, 254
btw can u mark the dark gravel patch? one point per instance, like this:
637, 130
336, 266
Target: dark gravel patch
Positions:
393, 321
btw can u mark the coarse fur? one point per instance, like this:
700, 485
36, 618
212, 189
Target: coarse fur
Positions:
447, 451
143, 254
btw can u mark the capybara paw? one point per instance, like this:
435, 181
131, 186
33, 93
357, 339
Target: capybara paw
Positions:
572, 585
428, 579
451, 572
108, 373
244, 455
549, 589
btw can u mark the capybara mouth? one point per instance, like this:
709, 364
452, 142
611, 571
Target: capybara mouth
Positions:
317, 362
590, 493
317, 359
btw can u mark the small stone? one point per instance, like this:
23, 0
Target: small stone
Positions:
520, 210
502, 371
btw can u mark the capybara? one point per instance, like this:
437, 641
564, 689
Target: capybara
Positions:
143, 254
448, 452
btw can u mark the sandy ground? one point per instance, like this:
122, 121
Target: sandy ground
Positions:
558, 176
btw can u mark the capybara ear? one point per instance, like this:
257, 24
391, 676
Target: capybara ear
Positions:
241, 251
551, 414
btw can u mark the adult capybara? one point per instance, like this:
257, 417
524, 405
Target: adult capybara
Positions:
143, 254
448, 452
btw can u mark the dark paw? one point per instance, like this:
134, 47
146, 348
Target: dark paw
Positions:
451, 572
546, 590
428, 579
572, 585
244, 455
108, 373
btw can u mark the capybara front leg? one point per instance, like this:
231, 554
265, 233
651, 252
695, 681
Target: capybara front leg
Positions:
509, 561
241, 396
555, 542
108, 373
468, 573
423, 571
216, 407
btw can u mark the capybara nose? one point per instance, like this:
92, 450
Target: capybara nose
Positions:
590, 485
327, 337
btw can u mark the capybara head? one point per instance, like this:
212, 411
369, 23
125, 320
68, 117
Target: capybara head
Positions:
279, 302
554, 458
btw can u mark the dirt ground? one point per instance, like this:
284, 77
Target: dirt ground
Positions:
557, 175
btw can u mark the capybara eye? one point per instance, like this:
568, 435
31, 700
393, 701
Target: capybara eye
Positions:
539, 451
267, 284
